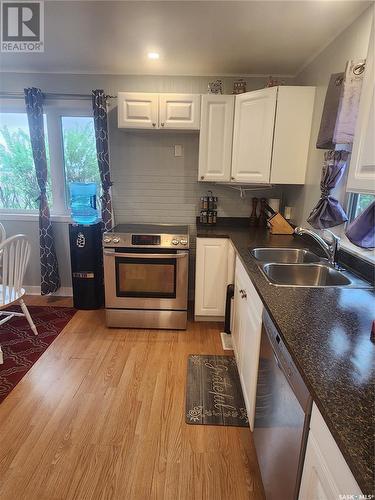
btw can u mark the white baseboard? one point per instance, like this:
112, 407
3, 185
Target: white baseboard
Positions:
64, 291
209, 318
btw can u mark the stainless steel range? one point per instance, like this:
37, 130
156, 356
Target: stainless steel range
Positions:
146, 275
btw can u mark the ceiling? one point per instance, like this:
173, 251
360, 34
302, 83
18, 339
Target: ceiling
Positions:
192, 37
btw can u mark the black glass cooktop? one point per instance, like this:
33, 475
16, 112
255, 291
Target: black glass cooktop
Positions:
150, 229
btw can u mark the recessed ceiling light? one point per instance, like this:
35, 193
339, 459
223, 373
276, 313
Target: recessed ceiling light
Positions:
153, 55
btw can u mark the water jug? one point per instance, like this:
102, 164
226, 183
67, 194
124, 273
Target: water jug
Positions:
83, 202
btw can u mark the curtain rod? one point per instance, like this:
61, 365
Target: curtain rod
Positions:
50, 95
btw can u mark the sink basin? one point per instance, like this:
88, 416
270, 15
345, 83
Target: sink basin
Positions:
285, 255
308, 275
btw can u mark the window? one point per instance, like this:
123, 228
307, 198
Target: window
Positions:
71, 155
18, 184
358, 203
79, 151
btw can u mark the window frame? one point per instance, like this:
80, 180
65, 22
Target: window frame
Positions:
352, 203
54, 111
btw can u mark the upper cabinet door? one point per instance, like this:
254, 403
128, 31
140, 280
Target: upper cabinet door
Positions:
215, 141
137, 110
253, 136
362, 164
295, 106
179, 111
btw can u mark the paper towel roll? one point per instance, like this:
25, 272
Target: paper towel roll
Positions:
274, 203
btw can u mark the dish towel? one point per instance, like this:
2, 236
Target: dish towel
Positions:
349, 102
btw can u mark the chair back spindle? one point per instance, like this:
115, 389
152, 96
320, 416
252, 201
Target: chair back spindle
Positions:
2, 233
14, 257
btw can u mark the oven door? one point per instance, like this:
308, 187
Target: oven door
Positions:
145, 279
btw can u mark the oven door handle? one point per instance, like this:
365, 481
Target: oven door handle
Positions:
147, 255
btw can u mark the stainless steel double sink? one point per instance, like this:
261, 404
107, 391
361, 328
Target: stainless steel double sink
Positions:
299, 267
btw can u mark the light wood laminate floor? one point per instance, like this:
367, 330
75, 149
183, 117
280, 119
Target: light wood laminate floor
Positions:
101, 416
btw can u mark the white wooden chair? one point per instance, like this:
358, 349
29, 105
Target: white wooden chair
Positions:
14, 257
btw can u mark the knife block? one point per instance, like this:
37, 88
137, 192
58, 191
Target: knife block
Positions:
279, 225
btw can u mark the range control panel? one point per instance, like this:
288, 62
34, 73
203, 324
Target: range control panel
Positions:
113, 240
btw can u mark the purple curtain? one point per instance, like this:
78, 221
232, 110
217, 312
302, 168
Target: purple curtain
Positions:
328, 212
99, 104
50, 279
361, 231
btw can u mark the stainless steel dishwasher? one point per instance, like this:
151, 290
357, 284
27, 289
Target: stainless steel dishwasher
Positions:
282, 416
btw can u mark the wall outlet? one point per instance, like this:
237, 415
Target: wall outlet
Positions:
179, 150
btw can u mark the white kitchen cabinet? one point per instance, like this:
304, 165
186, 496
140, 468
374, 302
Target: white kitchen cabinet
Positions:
271, 135
361, 176
137, 110
179, 111
326, 474
246, 334
158, 111
291, 139
253, 134
214, 269
216, 135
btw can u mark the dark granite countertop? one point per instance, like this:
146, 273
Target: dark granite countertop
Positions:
327, 332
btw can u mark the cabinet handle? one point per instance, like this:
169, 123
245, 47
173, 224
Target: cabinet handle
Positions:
154, 124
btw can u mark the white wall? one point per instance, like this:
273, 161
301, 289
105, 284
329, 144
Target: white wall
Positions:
150, 184
352, 43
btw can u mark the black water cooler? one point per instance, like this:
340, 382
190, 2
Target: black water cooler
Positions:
87, 265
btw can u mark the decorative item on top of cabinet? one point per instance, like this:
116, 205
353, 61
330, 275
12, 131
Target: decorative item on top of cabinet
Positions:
239, 86
215, 87
158, 111
273, 82
215, 140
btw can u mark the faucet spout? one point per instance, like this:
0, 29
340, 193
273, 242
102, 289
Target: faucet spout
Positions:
329, 249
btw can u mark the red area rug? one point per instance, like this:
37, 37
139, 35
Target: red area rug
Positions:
21, 348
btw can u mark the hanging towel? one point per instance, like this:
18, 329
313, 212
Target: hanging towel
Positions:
330, 109
349, 102
361, 231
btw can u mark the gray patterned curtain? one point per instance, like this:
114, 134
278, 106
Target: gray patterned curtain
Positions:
50, 279
99, 104
328, 212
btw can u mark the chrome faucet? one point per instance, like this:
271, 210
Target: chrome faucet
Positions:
330, 249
